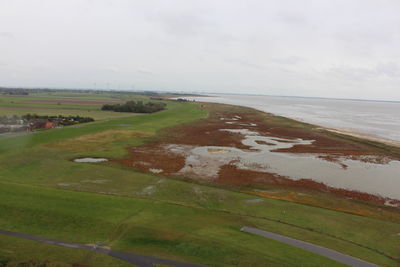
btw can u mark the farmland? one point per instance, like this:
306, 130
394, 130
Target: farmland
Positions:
132, 209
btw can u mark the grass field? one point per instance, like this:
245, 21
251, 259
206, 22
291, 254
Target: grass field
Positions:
21, 105
143, 226
43, 192
19, 252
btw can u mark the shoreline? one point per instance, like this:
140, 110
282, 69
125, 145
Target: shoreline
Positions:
384, 141
368, 137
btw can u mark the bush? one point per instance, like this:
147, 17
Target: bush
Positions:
136, 107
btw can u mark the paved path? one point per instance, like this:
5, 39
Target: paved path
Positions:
326, 252
138, 260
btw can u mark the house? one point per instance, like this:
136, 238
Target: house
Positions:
49, 125
41, 124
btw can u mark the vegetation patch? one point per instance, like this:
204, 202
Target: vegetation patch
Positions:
101, 141
136, 107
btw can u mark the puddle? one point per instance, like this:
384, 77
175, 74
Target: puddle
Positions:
391, 203
235, 118
153, 170
377, 179
90, 160
240, 131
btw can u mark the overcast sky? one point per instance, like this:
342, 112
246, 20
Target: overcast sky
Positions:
340, 48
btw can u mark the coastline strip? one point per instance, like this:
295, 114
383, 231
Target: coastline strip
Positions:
364, 136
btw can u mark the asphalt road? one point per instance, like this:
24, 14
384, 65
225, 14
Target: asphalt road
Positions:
147, 261
326, 252
138, 260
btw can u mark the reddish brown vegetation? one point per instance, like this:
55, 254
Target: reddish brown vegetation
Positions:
154, 157
207, 132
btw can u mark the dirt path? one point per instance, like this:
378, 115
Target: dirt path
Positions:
329, 253
138, 260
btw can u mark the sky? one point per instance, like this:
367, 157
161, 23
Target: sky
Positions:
321, 48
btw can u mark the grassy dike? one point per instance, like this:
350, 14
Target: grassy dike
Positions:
152, 215
20, 252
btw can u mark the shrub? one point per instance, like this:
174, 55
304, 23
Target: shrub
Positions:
136, 107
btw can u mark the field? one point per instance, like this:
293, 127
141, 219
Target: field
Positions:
60, 104
43, 192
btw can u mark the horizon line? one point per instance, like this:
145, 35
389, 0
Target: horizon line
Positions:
198, 93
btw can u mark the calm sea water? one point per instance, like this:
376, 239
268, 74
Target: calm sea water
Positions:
374, 118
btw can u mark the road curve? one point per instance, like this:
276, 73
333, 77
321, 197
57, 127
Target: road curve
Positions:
326, 252
138, 260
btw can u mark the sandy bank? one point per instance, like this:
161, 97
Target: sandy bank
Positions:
363, 136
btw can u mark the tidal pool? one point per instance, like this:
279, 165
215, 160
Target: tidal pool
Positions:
377, 179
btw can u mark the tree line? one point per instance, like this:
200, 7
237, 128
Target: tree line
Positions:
135, 107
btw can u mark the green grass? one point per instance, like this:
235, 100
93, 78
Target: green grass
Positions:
176, 114
51, 106
91, 95
143, 226
16, 252
19, 105
70, 95
163, 217
95, 114
110, 179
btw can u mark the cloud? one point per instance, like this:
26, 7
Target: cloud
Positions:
388, 69
144, 70
185, 25
7, 35
291, 47
294, 19
291, 60
111, 69
244, 63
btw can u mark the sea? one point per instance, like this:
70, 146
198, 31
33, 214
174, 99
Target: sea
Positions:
379, 119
